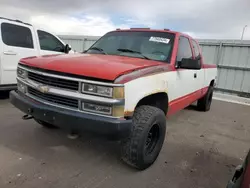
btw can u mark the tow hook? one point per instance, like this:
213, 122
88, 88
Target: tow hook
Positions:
27, 117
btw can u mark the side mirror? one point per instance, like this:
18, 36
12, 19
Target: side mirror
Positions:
67, 48
187, 63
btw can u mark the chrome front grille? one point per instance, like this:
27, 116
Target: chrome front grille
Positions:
63, 91
55, 82
63, 101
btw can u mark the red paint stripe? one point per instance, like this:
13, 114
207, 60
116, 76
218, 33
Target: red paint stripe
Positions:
126, 77
184, 101
209, 66
143, 72
246, 180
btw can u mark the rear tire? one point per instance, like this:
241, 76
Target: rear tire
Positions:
204, 103
45, 124
147, 135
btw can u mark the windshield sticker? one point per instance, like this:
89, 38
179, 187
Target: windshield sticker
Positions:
159, 39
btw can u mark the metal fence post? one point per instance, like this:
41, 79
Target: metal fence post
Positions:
84, 43
219, 54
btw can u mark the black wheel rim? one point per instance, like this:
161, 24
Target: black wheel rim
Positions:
152, 139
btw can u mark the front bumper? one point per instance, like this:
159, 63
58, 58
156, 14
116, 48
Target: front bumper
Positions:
8, 87
71, 120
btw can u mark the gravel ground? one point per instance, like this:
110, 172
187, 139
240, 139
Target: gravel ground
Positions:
201, 150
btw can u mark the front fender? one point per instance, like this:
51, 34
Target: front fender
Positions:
137, 89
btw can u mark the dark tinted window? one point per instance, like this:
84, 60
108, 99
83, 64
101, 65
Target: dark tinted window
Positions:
184, 49
49, 42
196, 49
152, 45
15, 35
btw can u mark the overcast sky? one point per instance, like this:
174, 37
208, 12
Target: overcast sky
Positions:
199, 18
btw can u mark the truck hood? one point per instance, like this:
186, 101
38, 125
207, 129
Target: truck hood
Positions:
107, 67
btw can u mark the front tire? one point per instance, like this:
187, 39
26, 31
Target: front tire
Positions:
147, 135
204, 103
45, 124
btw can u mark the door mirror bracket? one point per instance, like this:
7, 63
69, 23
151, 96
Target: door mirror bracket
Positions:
67, 48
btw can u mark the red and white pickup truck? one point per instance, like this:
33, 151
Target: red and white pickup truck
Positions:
125, 85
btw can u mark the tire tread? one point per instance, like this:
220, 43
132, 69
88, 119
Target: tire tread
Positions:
202, 103
130, 146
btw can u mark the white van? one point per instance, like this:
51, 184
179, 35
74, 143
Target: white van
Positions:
19, 40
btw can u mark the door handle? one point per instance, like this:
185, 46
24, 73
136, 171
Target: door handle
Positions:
195, 75
10, 53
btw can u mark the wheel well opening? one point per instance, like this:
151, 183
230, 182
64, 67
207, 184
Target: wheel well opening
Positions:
212, 83
158, 100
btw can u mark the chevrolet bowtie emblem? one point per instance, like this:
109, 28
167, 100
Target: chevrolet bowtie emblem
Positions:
43, 88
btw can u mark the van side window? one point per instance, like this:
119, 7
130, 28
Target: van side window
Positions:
184, 50
15, 35
49, 42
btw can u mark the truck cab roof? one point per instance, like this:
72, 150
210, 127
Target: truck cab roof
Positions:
152, 30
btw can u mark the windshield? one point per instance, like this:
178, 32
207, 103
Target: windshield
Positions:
147, 45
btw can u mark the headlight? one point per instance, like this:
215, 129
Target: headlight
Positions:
116, 92
98, 90
21, 87
21, 73
116, 111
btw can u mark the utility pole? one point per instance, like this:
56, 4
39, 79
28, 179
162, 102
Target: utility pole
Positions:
243, 32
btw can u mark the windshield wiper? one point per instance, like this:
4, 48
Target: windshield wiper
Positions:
132, 51
98, 49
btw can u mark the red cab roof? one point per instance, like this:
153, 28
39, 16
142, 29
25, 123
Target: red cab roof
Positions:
151, 30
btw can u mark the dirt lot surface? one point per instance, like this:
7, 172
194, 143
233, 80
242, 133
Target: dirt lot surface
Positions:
201, 150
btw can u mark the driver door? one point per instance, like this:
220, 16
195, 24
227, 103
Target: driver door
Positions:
49, 44
188, 82
189, 79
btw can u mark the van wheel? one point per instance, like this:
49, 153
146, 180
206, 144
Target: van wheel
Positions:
147, 135
45, 124
204, 103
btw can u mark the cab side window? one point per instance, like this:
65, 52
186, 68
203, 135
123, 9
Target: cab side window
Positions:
196, 49
49, 42
184, 50
17, 36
